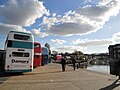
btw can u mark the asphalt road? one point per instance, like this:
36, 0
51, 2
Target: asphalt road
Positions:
50, 77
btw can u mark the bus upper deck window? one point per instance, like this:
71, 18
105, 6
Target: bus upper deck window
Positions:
36, 45
21, 37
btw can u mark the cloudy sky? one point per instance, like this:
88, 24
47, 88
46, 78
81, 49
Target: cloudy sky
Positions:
67, 25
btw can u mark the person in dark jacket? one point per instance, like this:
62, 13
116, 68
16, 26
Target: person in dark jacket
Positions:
63, 63
73, 62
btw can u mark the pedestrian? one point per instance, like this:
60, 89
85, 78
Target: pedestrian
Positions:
73, 62
63, 63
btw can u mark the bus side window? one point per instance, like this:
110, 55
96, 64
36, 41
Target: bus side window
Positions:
36, 56
9, 44
36, 46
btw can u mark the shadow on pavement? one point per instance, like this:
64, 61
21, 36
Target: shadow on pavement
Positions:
10, 74
111, 86
2, 80
5, 76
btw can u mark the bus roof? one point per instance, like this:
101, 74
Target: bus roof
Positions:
20, 32
36, 43
44, 47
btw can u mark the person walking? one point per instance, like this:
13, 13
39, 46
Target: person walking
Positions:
63, 63
73, 62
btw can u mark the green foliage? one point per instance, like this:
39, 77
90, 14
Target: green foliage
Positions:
55, 52
48, 46
79, 55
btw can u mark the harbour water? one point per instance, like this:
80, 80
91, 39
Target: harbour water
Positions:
99, 68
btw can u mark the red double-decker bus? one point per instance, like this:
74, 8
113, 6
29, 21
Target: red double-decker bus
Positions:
37, 54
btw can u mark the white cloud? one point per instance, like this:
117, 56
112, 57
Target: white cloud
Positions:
96, 42
99, 49
22, 12
83, 20
104, 2
91, 46
58, 41
54, 14
69, 49
116, 37
5, 28
97, 46
39, 33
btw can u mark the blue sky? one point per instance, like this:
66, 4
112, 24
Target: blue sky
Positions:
67, 25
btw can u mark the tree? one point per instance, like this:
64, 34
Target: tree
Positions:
79, 55
54, 52
48, 46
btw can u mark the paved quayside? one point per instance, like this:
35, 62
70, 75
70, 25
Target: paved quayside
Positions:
50, 77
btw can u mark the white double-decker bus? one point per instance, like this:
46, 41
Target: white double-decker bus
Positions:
19, 52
